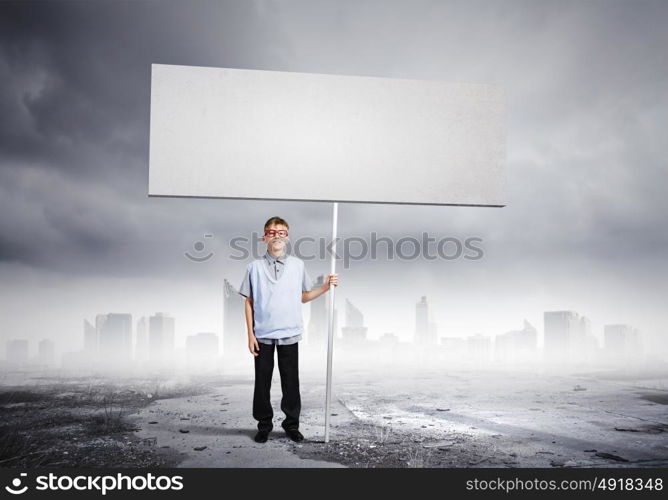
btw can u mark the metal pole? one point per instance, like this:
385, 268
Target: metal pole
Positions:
330, 322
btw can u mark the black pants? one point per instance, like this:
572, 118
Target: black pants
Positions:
288, 366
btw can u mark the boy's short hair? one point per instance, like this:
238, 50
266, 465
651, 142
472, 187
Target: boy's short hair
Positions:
275, 221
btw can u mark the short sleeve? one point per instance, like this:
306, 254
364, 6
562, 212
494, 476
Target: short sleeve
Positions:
307, 284
245, 288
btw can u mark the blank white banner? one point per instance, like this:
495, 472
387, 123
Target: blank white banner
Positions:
232, 133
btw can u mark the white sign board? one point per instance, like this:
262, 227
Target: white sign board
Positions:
234, 133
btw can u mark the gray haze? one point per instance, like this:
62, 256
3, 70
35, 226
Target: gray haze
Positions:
585, 228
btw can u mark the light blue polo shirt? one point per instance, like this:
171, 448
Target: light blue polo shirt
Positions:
275, 284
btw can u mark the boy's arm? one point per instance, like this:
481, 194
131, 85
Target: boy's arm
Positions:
332, 279
252, 341
246, 290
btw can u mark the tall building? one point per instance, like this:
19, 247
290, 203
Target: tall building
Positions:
425, 328
317, 330
354, 331
161, 341
114, 334
317, 325
235, 337
563, 333
45, 352
586, 349
578, 343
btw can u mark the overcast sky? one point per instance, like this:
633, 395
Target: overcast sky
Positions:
585, 229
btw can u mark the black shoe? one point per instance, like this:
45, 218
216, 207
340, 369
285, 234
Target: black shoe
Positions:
261, 436
295, 435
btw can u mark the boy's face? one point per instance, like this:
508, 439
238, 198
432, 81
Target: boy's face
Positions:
276, 243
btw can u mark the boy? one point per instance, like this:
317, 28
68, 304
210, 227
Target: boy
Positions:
275, 287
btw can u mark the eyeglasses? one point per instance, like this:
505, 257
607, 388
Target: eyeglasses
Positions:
276, 232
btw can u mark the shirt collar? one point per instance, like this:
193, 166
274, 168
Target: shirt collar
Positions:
271, 259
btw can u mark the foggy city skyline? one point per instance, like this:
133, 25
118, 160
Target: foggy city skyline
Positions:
584, 230
113, 343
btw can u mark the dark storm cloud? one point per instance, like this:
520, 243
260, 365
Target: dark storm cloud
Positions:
75, 81
69, 93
